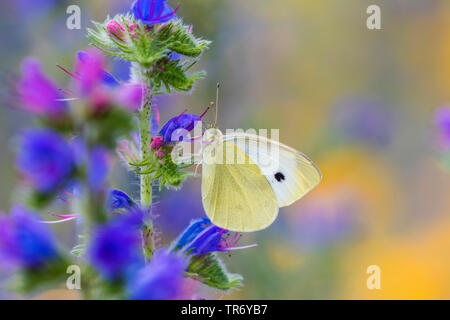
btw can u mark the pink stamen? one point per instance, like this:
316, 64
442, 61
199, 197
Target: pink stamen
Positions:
191, 27
68, 193
66, 201
69, 73
67, 92
177, 118
168, 15
64, 216
204, 112
231, 240
233, 244
192, 122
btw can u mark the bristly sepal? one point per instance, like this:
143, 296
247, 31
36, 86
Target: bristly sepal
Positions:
165, 52
210, 270
161, 166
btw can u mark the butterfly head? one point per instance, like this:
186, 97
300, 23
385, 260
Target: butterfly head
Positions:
212, 135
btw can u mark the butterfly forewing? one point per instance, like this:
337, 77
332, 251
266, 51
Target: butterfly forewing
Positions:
290, 173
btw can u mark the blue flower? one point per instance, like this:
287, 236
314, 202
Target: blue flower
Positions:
151, 12
174, 56
175, 129
201, 237
24, 241
115, 249
117, 199
161, 279
45, 158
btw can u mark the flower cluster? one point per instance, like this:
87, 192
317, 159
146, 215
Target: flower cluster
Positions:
68, 156
155, 39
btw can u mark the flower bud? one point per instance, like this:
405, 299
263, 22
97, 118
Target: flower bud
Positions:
157, 142
115, 30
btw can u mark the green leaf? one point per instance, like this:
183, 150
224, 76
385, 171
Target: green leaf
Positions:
210, 270
177, 37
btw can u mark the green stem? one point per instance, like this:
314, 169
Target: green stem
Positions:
146, 179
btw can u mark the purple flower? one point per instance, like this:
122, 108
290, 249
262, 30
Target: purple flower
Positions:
100, 87
106, 77
442, 122
89, 70
98, 168
175, 129
39, 94
161, 279
151, 12
130, 96
116, 247
201, 236
45, 158
24, 241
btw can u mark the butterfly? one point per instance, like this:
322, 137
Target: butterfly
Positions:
246, 178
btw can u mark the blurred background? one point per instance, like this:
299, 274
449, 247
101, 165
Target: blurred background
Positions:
359, 102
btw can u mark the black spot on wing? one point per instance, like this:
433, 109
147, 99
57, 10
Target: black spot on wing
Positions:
279, 176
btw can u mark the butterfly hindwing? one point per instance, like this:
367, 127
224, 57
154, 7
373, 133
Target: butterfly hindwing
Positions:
236, 197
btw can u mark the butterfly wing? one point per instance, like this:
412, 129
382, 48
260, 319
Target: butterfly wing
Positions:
290, 173
236, 197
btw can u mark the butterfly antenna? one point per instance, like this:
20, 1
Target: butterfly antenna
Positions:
217, 103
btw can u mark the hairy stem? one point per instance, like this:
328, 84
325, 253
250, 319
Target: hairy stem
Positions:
146, 179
